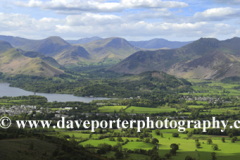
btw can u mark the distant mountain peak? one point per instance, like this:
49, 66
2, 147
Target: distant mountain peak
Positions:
84, 40
56, 39
117, 42
158, 43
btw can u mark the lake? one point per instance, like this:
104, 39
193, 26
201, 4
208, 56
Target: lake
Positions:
6, 90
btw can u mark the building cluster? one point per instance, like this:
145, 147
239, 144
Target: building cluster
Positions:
208, 99
17, 110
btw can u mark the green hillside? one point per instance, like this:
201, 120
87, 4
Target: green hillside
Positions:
47, 59
206, 58
144, 84
13, 62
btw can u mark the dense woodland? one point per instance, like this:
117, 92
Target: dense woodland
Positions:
100, 83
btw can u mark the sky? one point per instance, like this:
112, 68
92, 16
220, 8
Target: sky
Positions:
175, 20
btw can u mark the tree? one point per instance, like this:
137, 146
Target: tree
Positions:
157, 132
174, 146
155, 141
161, 134
233, 140
215, 147
209, 141
119, 139
125, 153
147, 140
118, 154
175, 135
99, 131
198, 144
111, 139
223, 139
230, 135
154, 155
117, 147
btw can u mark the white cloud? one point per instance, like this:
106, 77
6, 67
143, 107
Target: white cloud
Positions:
91, 19
89, 24
153, 4
83, 5
76, 5
31, 3
217, 14
25, 25
12, 21
73, 6
148, 29
152, 14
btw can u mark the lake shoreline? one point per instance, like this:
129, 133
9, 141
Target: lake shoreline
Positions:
7, 90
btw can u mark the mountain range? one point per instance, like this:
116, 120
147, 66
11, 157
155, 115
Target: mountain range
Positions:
110, 50
55, 47
206, 58
84, 40
155, 43
158, 43
104, 51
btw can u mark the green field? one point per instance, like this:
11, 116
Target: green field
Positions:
77, 134
186, 146
213, 88
149, 110
111, 108
195, 106
95, 143
198, 102
224, 110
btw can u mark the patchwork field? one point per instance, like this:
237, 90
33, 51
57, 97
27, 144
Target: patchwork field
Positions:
210, 88
187, 146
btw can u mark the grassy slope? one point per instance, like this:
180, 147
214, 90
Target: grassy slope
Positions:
14, 62
47, 59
